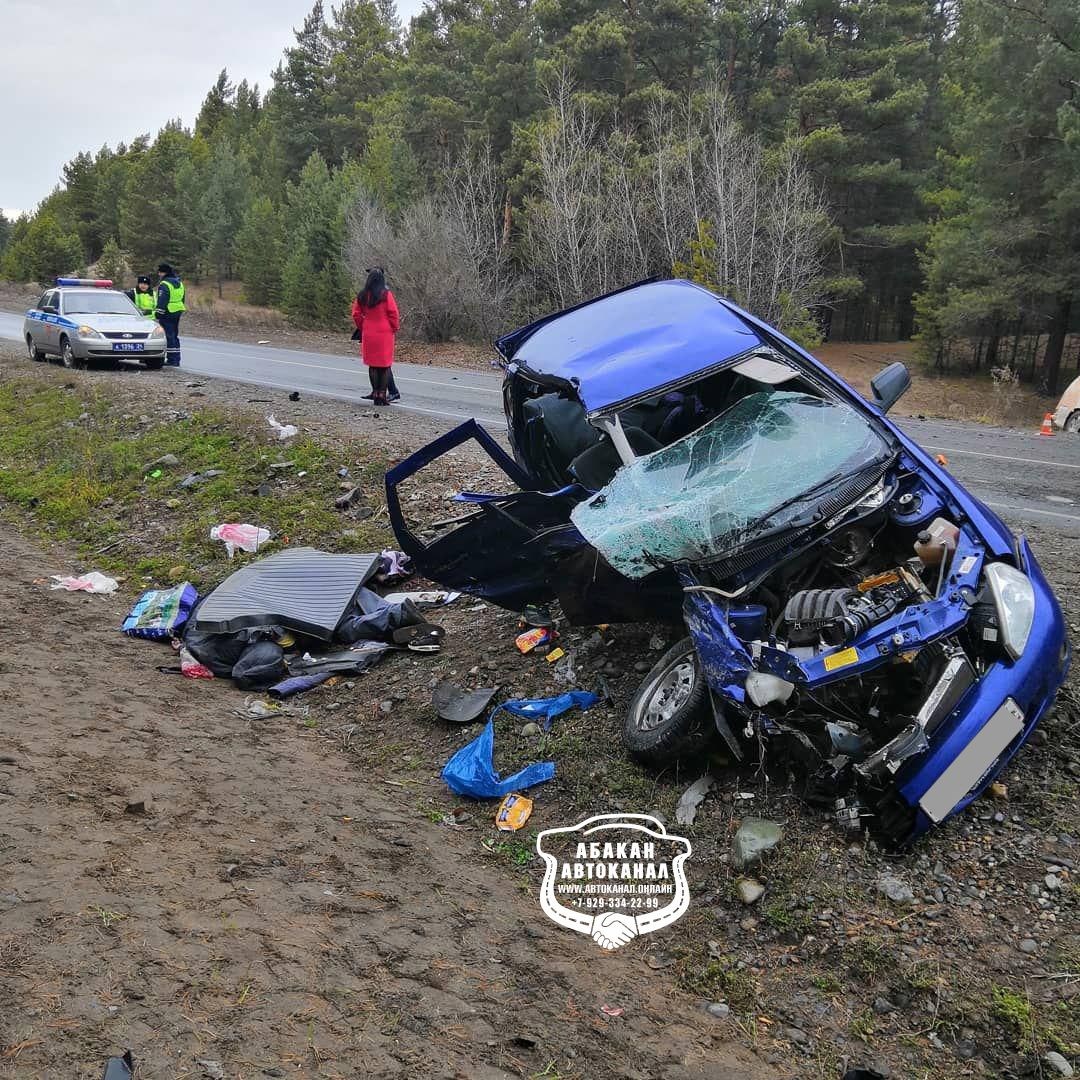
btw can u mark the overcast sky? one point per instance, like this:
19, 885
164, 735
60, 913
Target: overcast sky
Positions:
75, 75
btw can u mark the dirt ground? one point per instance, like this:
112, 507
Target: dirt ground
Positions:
294, 900
267, 905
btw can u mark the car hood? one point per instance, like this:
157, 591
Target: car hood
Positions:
632, 342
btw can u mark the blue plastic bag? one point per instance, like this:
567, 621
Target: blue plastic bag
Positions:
471, 771
161, 613
545, 710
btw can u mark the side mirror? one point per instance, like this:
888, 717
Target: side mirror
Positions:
889, 385
51, 309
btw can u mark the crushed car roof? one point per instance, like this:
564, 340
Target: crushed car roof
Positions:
630, 342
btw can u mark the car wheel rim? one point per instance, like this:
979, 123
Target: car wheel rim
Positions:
68, 357
666, 695
1073, 423
30, 350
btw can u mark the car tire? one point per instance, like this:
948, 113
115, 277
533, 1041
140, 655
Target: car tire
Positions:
1072, 422
669, 716
67, 356
153, 365
33, 351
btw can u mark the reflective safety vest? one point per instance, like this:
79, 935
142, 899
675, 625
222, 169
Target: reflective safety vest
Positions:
176, 297
145, 302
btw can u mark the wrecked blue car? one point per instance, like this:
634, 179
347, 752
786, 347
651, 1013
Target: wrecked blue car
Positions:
850, 610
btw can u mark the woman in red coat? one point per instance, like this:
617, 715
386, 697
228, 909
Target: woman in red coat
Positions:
375, 313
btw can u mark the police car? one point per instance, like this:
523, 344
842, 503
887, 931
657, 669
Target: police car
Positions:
83, 321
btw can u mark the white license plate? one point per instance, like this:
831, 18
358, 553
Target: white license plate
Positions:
128, 346
971, 763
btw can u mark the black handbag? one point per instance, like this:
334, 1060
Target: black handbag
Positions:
356, 334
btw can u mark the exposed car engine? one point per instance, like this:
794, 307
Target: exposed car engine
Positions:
846, 739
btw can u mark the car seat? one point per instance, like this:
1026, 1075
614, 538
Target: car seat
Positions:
595, 467
556, 433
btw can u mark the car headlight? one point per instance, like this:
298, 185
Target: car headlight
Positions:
157, 331
1014, 601
88, 331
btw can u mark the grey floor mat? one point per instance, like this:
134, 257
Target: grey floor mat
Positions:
302, 589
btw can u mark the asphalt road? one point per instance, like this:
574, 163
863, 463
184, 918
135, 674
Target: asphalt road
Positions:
1025, 477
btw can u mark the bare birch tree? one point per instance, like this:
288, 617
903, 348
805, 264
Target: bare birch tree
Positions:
612, 209
446, 257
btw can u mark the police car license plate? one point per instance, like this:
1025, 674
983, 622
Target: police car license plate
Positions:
128, 346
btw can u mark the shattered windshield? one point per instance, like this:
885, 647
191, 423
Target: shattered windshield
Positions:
745, 470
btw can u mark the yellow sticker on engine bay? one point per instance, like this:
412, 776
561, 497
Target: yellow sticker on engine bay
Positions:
841, 659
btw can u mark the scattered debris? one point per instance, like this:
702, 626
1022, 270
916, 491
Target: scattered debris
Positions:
565, 672
284, 431
460, 706
749, 890
513, 812
533, 639
256, 709
555, 655
547, 709
720, 1010
537, 615
612, 1010
120, 1068
350, 498
91, 583
295, 395
211, 1069
692, 798
754, 838
194, 479
471, 771
298, 684
429, 598
245, 537
191, 668
160, 614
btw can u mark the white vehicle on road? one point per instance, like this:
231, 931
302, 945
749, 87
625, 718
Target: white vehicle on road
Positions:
84, 321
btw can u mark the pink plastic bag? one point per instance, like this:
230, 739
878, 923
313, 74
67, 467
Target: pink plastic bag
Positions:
244, 537
190, 668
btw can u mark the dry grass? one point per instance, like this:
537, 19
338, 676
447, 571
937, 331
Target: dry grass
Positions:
974, 398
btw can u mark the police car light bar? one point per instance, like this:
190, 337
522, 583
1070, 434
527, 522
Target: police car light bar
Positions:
97, 283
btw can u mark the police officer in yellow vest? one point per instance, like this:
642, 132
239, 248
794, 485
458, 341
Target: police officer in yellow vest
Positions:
142, 296
170, 306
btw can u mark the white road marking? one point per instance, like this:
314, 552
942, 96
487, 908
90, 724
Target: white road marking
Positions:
999, 457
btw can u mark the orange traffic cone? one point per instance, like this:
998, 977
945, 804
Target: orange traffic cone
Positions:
1047, 425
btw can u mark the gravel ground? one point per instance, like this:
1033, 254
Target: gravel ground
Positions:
971, 968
